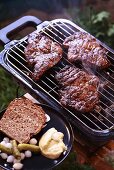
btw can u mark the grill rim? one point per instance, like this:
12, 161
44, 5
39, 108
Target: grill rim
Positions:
59, 102
39, 92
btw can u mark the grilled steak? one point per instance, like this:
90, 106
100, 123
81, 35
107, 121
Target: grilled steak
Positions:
41, 53
67, 75
85, 48
78, 89
22, 120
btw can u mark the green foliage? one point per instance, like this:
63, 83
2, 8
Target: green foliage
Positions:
109, 158
70, 163
100, 17
8, 89
110, 32
97, 23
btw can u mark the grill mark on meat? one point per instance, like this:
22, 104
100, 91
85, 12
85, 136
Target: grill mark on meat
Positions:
41, 53
80, 92
68, 75
85, 48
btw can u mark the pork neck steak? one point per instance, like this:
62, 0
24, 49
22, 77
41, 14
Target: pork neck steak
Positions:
79, 90
41, 53
85, 48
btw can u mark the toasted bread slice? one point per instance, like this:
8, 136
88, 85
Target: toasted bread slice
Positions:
22, 119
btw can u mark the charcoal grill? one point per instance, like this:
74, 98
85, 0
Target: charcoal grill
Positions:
97, 125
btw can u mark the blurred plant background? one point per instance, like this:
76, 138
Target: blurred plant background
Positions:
71, 163
109, 158
8, 89
98, 24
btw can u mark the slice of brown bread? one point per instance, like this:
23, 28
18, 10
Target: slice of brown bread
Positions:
22, 119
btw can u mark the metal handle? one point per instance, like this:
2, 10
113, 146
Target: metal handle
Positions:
16, 25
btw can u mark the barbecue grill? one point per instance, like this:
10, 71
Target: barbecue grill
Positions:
98, 125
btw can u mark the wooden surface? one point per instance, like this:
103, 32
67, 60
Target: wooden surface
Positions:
97, 158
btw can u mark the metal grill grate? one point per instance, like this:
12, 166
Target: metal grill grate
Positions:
58, 30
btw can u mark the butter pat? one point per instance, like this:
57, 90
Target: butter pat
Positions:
51, 144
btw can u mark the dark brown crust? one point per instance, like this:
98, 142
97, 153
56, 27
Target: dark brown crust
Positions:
67, 75
79, 89
41, 53
85, 48
22, 119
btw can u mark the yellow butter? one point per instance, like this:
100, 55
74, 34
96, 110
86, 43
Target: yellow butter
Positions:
51, 144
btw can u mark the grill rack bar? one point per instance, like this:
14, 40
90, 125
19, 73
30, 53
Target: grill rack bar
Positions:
54, 98
64, 52
17, 46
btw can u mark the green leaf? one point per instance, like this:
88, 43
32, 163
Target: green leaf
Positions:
8, 89
99, 34
100, 16
111, 31
109, 158
71, 164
